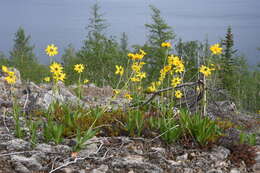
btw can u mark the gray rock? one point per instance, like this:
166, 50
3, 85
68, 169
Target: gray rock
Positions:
219, 153
63, 149
158, 149
188, 170
182, 157
17, 145
89, 149
136, 162
23, 164
256, 167
214, 171
257, 159
101, 169
234, 170
45, 148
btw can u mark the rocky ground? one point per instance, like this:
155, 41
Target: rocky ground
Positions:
115, 154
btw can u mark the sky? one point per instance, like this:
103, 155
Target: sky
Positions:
64, 21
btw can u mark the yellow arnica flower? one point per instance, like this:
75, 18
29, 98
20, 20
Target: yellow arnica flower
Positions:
166, 44
135, 79
141, 75
119, 70
142, 52
85, 81
178, 94
59, 76
179, 68
79, 68
174, 60
167, 68
205, 70
56, 68
116, 91
47, 79
152, 88
11, 79
175, 81
128, 96
216, 49
51, 50
4, 69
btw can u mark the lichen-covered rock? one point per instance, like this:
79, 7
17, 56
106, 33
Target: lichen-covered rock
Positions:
17, 145
24, 165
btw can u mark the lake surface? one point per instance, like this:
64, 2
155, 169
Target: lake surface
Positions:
64, 21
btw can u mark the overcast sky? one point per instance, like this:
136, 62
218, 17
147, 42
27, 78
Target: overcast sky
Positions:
64, 21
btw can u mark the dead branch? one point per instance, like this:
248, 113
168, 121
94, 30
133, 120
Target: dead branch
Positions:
199, 82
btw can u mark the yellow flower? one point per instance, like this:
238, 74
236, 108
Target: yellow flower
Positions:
119, 70
10, 79
85, 81
205, 70
130, 55
166, 44
137, 56
4, 69
167, 68
216, 49
79, 68
59, 76
141, 75
128, 96
178, 94
174, 60
10, 73
56, 68
175, 81
51, 50
179, 68
135, 67
258, 111
142, 52
116, 91
135, 79
47, 79
152, 88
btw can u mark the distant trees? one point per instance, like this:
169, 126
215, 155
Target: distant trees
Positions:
23, 58
99, 52
158, 32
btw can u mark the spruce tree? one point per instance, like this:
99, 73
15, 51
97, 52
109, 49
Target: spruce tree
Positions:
158, 32
124, 42
99, 52
23, 58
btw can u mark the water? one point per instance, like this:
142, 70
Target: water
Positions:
63, 22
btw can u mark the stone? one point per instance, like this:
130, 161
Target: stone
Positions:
256, 167
182, 157
188, 170
214, 171
63, 149
136, 162
234, 170
45, 148
89, 149
158, 149
101, 169
23, 164
219, 153
174, 163
17, 145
